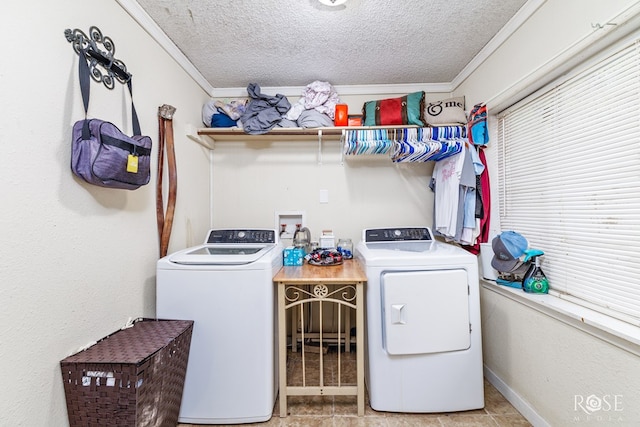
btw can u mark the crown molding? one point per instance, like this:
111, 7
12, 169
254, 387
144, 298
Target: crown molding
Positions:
343, 90
149, 25
521, 16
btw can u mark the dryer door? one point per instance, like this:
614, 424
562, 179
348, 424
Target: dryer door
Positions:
425, 311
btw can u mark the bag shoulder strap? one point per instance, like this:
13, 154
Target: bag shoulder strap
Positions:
85, 89
134, 115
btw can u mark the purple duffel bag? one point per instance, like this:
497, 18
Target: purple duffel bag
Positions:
100, 153
106, 157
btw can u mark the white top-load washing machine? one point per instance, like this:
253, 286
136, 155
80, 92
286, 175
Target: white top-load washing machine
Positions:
225, 286
423, 339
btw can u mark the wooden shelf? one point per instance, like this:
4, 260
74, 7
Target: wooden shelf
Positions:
213, 135
234, 134
207, 137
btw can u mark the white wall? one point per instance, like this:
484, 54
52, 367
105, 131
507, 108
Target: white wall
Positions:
552, 367
76, 260
254, 179
544, 362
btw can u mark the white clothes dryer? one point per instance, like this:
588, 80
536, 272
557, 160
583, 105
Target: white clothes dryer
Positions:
225, 286
423, 338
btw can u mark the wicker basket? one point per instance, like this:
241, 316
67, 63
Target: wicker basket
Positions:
133, 377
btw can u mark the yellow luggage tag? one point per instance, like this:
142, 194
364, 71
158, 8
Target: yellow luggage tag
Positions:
132, 163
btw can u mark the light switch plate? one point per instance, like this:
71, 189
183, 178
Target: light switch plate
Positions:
324, 196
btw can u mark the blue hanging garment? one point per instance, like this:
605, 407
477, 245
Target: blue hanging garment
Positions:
478, 132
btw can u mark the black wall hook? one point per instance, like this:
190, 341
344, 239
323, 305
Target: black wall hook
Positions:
103, 66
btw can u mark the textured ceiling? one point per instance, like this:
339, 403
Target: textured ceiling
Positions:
294, 42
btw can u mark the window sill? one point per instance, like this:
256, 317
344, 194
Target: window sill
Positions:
616, 332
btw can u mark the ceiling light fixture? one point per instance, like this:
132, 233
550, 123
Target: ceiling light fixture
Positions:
332, 2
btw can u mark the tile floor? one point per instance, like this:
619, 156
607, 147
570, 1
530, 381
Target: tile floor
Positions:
327, 411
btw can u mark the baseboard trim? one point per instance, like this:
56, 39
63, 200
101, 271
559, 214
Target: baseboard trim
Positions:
515, 399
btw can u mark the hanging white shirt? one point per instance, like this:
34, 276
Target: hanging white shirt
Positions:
446, 174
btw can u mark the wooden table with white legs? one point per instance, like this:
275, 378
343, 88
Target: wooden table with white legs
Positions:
299, 286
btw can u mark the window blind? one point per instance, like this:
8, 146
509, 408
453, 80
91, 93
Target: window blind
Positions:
569, 171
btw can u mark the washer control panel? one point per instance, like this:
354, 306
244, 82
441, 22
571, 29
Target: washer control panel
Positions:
241, 236
397, 234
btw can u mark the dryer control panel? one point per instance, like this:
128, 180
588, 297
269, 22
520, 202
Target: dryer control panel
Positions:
245, 236
397, 234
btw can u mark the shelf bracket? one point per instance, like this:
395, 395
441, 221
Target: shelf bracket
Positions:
342, 141
202, 141
319, 147
192, 133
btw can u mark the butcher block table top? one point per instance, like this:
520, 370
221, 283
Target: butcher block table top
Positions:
349, 271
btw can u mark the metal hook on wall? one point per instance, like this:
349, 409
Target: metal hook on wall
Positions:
103, 66
599, 26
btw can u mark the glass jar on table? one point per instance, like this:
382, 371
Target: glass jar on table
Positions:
345, 247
